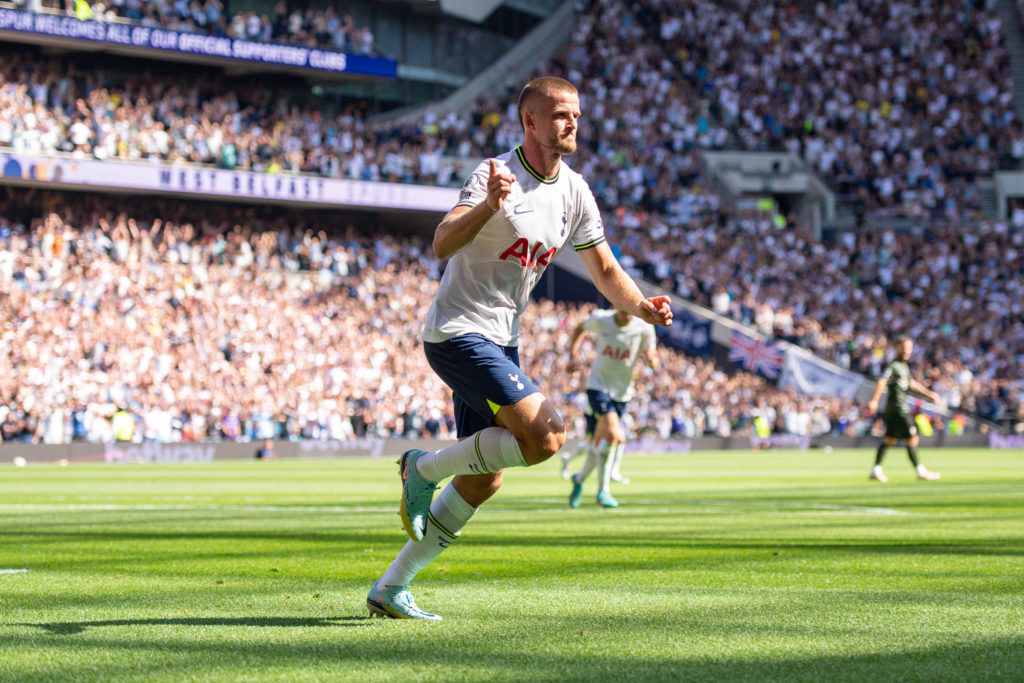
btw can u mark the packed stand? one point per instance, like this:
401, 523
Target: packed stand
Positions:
958, 293
309, 27
901, 105
243, 327
686, 398
642, 163
212, 329
47, 107
643, 166
52, 105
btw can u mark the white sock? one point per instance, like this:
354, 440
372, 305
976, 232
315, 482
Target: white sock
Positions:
580, 450
605, 468
921, 469
590, 464
617, 452
877, 469
448, 514
489, 450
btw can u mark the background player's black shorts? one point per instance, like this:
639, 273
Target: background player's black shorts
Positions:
899, 426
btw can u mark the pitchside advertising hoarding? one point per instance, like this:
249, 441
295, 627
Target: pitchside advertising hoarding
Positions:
215, 182
204, 45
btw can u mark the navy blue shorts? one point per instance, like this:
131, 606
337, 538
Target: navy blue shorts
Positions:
602, 404
483, 377
591, 421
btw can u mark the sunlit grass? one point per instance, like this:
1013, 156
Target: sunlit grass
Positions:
718, 566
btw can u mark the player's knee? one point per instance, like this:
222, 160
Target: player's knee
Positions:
543, 445
550, 443
557, 440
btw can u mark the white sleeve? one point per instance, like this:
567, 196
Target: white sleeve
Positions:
474, 190
650, 340
588, 230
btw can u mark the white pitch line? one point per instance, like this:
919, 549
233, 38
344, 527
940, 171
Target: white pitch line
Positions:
158, 508
825, 507
725, 507
13, 571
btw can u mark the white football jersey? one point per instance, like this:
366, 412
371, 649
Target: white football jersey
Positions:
487, 283
618, 349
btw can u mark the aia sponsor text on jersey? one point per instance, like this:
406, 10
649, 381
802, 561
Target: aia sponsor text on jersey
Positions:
617, 353
528, 258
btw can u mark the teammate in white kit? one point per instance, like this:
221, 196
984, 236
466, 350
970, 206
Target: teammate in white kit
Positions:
514, 214
622, 341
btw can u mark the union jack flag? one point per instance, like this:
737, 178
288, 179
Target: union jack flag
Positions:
756, 354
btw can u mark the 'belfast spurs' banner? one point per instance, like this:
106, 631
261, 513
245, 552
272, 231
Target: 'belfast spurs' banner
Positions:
218, 183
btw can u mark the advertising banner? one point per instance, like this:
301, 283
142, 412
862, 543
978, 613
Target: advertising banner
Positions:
201, 44
215, 182
1007, 441
813, 376
688, 332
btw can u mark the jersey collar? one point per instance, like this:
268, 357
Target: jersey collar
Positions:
535, 174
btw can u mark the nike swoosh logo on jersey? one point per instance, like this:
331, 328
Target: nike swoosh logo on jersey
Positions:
517, 212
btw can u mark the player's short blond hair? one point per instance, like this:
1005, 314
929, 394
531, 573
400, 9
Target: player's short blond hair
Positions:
543, 87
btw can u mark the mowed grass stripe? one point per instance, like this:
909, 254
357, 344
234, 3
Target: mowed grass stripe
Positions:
556, 503
718, 566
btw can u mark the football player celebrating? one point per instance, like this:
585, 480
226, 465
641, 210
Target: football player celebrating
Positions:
514, 214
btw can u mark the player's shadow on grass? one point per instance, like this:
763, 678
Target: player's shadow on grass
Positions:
73, 627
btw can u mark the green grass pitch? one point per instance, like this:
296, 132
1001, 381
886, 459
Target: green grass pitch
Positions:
773, 566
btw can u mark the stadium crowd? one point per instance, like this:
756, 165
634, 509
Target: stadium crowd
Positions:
655, 92
174, 329
759, 77
659, 85
52, 105
957, 292
901, 104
